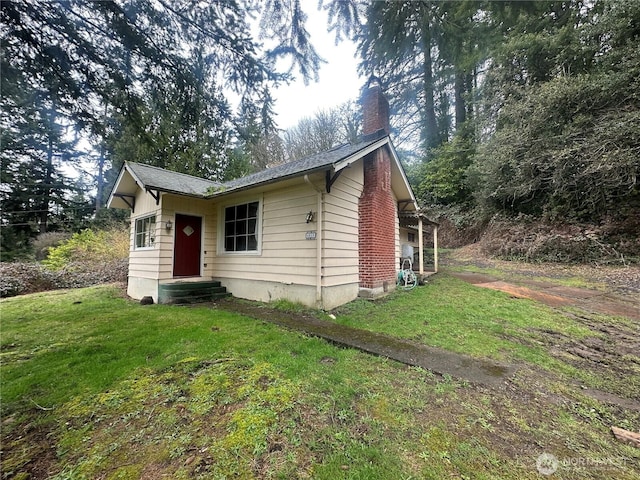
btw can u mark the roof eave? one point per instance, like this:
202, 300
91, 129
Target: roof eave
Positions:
114, 189
174, 192
244, 188
354, 157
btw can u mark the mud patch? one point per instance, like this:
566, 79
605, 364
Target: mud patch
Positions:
609, 398
473, 278
617, 308
524, 292
571, 292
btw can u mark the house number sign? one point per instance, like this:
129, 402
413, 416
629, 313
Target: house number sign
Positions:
311, 235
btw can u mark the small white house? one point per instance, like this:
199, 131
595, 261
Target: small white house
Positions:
321, 230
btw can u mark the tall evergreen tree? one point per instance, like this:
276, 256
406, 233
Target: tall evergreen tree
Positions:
257, 140
33, 148
564, 140
426, 55
149, 79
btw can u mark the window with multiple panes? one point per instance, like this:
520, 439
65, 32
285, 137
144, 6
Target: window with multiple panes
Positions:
146, 232
241, 227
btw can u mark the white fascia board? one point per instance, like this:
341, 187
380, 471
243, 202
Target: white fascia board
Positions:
139, 182
359, 154
125, 169
114, 189
396, 159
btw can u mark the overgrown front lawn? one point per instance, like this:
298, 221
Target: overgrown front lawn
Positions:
97, 386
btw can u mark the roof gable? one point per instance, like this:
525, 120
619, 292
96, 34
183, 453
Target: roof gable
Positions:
155, 178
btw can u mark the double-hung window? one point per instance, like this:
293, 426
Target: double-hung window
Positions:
241, 227
145, 235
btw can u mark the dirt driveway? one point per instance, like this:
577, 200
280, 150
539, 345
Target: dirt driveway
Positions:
613, 348
554, 295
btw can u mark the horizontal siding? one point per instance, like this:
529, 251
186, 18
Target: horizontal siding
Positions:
286, 256
294, 247
339, 219
291, 278
344, 240
271, 229
339, 257
340, 228
145, 204
144, 263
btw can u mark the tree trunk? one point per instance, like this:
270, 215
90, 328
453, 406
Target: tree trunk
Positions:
48, 177
100, 179
461, 108
431, 136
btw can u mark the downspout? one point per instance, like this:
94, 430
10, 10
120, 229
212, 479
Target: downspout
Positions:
420, 246
320, 203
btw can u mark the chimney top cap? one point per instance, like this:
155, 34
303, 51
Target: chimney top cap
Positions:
374, 81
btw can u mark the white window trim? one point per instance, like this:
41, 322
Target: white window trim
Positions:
221, 226
135, 232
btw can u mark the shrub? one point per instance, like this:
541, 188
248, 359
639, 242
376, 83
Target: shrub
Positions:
529, 239
87, 258
89, 246
45, 241
19, 278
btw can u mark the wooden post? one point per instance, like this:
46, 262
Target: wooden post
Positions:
420, 247
435, 248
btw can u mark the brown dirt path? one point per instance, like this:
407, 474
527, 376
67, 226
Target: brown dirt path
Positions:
615, 279
593, 301
612, 351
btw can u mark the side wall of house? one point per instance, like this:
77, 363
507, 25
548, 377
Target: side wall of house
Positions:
143, 263
340, 273
285, 267
150, 266
287, 264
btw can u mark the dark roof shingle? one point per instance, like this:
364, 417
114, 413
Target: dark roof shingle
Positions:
315, 162
168, 181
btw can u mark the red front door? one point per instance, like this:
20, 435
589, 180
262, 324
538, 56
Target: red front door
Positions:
186, 256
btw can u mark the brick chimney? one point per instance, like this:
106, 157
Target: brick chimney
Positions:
375, 111
377, 208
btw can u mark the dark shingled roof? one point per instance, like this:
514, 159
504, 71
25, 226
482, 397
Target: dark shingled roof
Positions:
167, 181
319, 161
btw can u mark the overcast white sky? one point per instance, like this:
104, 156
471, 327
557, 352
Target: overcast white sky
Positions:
338, 78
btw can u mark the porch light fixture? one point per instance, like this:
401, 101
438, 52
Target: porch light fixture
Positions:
168, 225
310, 217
